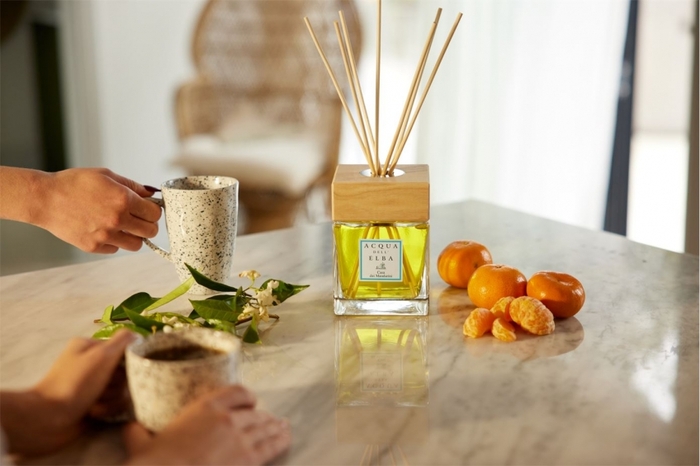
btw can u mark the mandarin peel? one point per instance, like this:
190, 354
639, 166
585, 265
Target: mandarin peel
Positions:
560, 292
458, 261
491, 282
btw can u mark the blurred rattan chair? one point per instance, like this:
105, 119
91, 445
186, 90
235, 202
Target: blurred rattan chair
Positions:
262, 107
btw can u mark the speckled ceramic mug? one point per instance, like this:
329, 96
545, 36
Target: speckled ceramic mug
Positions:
201, 216
160, 388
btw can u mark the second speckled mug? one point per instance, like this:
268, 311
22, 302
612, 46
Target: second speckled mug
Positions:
201, 216
160, 386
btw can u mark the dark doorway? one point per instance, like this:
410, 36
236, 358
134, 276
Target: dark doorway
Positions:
618, 187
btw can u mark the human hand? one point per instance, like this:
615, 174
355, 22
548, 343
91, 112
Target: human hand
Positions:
97, 210
51, 415
219, 428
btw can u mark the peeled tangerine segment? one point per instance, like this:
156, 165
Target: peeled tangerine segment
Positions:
502, 308
503, 330
478, 322
532, 315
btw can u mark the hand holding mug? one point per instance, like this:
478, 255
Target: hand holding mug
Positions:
222, 427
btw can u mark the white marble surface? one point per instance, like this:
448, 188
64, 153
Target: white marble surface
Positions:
617, 384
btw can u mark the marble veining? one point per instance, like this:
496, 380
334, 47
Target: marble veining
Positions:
617, 384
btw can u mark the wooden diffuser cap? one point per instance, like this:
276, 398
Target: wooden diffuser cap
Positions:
360, 198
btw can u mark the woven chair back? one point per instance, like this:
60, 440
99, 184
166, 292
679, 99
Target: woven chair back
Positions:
258, 54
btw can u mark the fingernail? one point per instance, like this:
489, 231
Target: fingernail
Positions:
151, 189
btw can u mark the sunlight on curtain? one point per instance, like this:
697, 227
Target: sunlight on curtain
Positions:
522, 111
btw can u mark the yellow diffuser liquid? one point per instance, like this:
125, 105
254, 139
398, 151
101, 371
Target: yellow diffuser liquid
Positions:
381, 263
367, 253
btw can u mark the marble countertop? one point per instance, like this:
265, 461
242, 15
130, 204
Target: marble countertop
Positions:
617, 384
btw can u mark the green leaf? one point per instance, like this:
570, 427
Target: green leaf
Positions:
284, 290
215, 309
137, 303
194, 315
221, 325
143, 321
207, 282
236, 302
227, 298
107, 315
251, 334
176, 293
105, 333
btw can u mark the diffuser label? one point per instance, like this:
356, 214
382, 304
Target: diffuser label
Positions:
380, 260
382, 372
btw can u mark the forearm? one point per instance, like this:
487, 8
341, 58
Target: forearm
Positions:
13, 410
93, 209
22, 194
30, 434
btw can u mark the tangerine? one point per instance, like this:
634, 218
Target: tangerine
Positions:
561, 293
491, 282
458, 261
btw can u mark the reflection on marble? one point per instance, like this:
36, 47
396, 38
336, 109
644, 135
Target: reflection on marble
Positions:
617, 384
655, 378
382, 385
381, 361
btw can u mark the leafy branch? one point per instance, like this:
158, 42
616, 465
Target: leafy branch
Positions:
224, 312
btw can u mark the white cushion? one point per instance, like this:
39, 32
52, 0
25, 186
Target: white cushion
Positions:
289, 162
246, 122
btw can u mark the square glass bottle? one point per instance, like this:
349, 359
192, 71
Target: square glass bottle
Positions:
381, 241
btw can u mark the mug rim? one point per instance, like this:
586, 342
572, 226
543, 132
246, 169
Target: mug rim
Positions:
130, 353
164, 185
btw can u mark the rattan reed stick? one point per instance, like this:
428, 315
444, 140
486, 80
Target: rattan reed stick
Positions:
391, 454
353, 64
385, 169
414, 90
425, 91
362, 461
376, 86
344, 54
338, 90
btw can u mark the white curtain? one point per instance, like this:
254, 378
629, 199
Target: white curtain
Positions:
522, 111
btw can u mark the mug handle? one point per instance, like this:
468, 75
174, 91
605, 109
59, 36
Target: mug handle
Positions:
158, 250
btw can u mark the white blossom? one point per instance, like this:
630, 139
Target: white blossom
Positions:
170, 320
265, 297
167, 329
247, 310
263, 313
251, 274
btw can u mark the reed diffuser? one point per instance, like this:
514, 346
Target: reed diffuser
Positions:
381, 211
